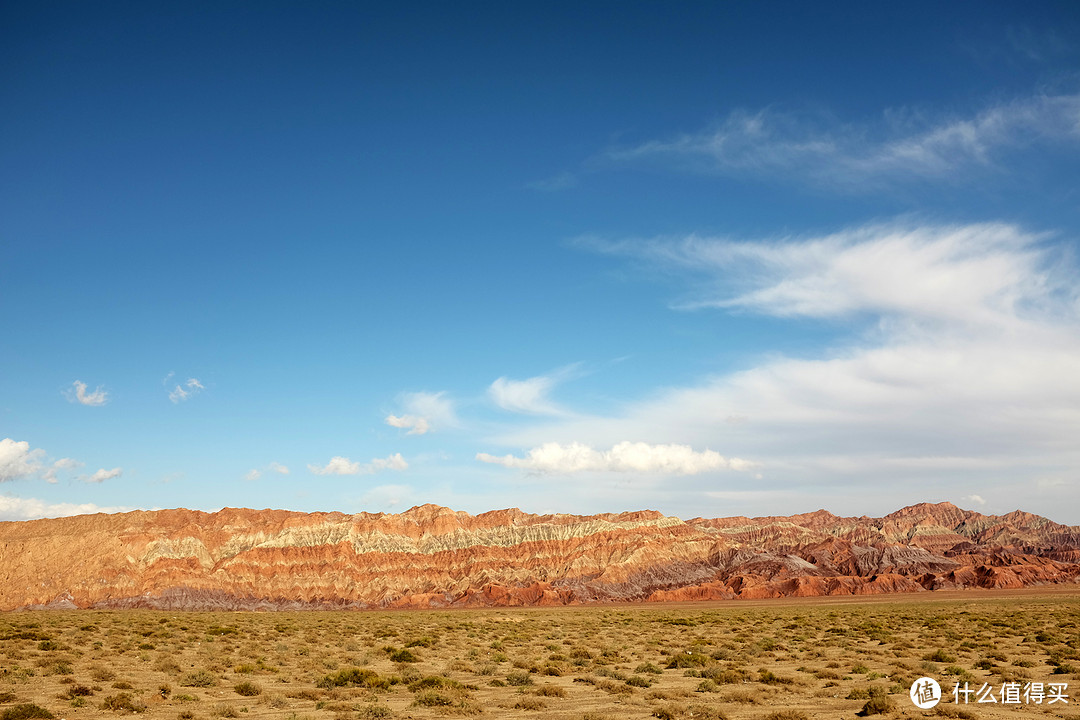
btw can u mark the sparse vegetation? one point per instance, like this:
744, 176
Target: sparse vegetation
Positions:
123, 702
765, 662
247, 689
25, 711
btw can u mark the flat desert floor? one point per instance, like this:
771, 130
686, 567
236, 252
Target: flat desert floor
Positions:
767, 660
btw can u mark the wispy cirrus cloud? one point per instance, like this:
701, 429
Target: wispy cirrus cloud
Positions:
424, 413
49, 474
862, 157
638, 457
529, 396
274, 467
555, 183
78, 394
1037, 44
182, 391
962, 360
339, 465
986, 273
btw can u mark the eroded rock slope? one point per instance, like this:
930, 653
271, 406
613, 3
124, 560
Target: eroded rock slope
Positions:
432, 556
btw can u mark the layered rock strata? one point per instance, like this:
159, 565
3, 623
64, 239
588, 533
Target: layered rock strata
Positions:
430, 557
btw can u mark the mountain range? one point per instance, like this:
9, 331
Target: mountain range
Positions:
435, 557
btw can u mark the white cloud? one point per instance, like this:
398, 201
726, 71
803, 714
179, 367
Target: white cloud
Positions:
424, 412
13, 508
983, 273
524, 396
977, 499
339, 465
79, 394
416, 425
859, 157
639, 457
961, 361
17, 460
103, 475
274, 467
49, 473
182, 392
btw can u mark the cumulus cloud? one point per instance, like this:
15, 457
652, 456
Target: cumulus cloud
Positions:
528, 396
103, 475
339, 465
17, 460
182, 391
13, 508
424, 412
901, 145
977, 499
554, 458
78, 394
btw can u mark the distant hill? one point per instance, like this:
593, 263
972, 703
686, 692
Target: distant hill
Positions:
434, 557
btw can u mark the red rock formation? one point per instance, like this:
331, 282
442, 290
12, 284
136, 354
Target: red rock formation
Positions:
432, 556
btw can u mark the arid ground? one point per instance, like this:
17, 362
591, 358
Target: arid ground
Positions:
819, 657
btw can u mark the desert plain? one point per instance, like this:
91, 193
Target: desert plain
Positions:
780, 659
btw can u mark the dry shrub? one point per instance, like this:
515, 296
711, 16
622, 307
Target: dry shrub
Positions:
199, 678
25, 711
747, 697
166, 665
550, 691
668, 712
704, 712
123, 702
247, 689
519, 679
375, 712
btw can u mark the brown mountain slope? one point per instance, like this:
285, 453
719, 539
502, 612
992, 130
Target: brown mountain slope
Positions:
432, 556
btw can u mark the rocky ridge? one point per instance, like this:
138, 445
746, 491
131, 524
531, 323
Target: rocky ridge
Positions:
432, 556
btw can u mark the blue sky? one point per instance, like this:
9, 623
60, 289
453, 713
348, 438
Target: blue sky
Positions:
570, 257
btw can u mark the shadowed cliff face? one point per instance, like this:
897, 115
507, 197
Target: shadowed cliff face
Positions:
432, 556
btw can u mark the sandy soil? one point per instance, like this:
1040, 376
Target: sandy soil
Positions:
761, 660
